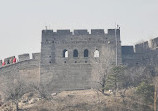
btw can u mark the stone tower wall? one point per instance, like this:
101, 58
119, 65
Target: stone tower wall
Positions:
59, 73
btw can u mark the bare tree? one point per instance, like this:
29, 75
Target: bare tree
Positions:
13, 89
45, 95
137, 74
101, 67
43, 91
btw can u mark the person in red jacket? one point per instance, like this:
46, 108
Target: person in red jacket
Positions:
14, 60
3, 64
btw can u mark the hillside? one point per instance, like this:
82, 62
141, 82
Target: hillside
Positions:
81, 100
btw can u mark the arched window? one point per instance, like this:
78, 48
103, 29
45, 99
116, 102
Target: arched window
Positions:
65, 53
75, 53
96, 53
86, 53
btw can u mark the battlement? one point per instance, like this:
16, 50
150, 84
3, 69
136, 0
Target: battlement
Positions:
146, 46
97, 32
36, 56
81, 32
26, 56
22, 57
154, 43
64, 32
142, 47
127, 50
113, 31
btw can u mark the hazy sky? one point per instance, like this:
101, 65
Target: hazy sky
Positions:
21, 21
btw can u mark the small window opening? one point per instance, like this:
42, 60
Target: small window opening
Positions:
86, 53
65, 53
96, 53
75, 53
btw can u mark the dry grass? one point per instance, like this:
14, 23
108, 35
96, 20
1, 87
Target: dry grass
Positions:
84, 100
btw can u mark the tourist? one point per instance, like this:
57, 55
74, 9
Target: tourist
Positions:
3, 64
14, 60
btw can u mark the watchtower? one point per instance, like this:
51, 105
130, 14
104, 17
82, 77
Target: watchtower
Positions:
67, 57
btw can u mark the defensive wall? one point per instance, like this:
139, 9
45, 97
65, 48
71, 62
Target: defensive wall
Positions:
144, 53
25, 69
74, 60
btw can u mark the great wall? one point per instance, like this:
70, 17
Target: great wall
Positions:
67, 58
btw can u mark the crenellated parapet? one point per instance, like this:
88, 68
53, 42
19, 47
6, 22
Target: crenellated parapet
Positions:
24, 57
142, 47
144, 53
81, 32
21, 58
146, 46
